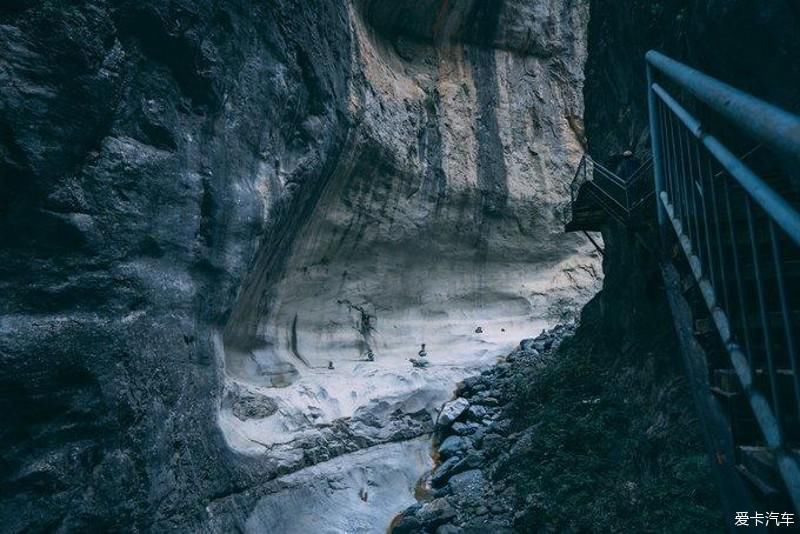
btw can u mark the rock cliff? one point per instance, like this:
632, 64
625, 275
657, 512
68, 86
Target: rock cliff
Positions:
204, 202
599, 433
441, 216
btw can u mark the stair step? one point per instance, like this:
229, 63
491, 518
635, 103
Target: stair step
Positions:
757, 465
726, 377
725, 385
764, 489
724, 393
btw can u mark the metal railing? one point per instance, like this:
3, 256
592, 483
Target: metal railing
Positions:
740, 235
620, 197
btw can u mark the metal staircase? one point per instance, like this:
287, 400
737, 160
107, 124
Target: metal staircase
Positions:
597, 192
729, 229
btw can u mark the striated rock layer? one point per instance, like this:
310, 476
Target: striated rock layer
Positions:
204, 202
442, 215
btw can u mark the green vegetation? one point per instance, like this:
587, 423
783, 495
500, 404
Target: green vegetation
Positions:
614, 443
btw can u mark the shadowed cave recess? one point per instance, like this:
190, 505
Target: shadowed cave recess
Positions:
213, 211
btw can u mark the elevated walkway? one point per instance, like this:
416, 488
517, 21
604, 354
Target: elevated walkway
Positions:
729, 229
597, 194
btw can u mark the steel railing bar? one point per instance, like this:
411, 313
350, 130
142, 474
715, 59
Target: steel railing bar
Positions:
611, 177
664, 141
676, 176
678, 202
719, 243
787, 461
605, 193
762, 312
737, 271
764, 122
785, 311
717, 231
627, 199
771, 202
709, 257
686, 191
641, 172
694, 192
594, 190
611, 174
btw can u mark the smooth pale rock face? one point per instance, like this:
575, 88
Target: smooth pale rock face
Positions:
359, 493
441, 216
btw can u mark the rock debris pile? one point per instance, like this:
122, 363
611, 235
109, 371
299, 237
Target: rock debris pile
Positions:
475, 439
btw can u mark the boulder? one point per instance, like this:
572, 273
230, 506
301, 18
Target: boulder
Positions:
452, 446
492, 441
471, 382
442, 473
500, 426
465, 429
455, 465
451, 411
406, 524
477, 412
468, 486
477, 436
472, 460
434, 513
251, 406
489, 401
419, 363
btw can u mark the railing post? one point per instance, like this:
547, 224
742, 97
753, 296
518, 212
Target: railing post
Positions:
655, 142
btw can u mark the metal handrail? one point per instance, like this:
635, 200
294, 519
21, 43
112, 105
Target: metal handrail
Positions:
719, 207
771, 125
613, 192
781, 211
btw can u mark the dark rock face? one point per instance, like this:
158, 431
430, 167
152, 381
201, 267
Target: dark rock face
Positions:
133, 142
751, 45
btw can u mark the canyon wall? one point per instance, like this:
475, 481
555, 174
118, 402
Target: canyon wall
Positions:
202, 203
138, 140
602, 417
441, 217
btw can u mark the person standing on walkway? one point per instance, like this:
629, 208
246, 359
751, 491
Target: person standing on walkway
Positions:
627, 166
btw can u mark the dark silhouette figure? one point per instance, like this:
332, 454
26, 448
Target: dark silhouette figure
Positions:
627, 166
